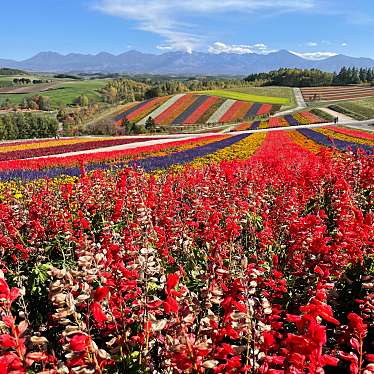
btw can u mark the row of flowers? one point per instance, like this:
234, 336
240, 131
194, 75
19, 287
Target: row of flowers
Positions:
296, 119
171, 100
358, 134
44, 143
258, 266
61, 147
32, 169
143, 112
192, 108
329, 139
169, 116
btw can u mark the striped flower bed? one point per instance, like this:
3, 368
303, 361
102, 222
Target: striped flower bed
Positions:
255, 125
167, 116
60, 149
47, 144
184, 157
23, 143
216, 116
212, 109
252, 112
161, 108
196, 115
297, 119
349, 138
130, 109
335, 143
291, 120
356, 133
274, 122
143, 112
312, 118
195, 109
236, 112
56, 166
188, 107
198, 103
264, 109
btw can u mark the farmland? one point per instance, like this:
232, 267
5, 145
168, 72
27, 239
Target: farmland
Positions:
226, 252
335, 93
194, 109
360, 109
244, 96
273, 91
64, 92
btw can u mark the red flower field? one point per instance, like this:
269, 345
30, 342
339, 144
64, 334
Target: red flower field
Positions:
255, 266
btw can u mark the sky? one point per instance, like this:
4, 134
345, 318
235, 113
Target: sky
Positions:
314, 29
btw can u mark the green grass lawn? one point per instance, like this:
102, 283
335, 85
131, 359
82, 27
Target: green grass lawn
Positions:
65, 93
249, 94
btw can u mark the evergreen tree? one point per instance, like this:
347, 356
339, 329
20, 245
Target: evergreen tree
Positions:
150, 124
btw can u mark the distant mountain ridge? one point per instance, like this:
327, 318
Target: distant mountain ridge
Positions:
180, 63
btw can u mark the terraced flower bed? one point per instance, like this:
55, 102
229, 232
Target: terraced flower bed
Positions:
337, 93
41, 149
195, 109
297, 119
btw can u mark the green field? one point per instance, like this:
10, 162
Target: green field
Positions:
360, 109
363, 107
65, 93
244, 96
282, 92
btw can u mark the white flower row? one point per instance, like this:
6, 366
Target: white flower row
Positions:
166, 105
226, 105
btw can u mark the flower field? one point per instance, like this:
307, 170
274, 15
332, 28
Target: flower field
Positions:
229, 253
194, 109
297, 119
55, 147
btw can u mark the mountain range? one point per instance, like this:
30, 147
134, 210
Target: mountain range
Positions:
179, 63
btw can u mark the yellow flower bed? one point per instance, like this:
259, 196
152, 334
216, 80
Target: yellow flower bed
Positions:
347, 138
242, 150
19, 190
301, 119
304, 142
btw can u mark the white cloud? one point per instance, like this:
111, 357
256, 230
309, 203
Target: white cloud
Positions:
312, 44
344, 44
167, 17
240, 49
315, 56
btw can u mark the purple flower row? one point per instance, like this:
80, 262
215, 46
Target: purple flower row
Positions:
341, 145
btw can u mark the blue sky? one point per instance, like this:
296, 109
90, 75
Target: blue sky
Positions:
311, 28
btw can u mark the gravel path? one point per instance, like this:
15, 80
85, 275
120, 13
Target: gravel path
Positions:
299, 98
342, 117
300, 104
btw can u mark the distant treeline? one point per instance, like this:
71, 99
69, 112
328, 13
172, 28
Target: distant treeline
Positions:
27, 125
312, 77
9, 71
125, 89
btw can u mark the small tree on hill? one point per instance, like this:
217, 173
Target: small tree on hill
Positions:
150, 124
128, 126
82, 100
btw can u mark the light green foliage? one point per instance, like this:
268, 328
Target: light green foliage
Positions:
246, 97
